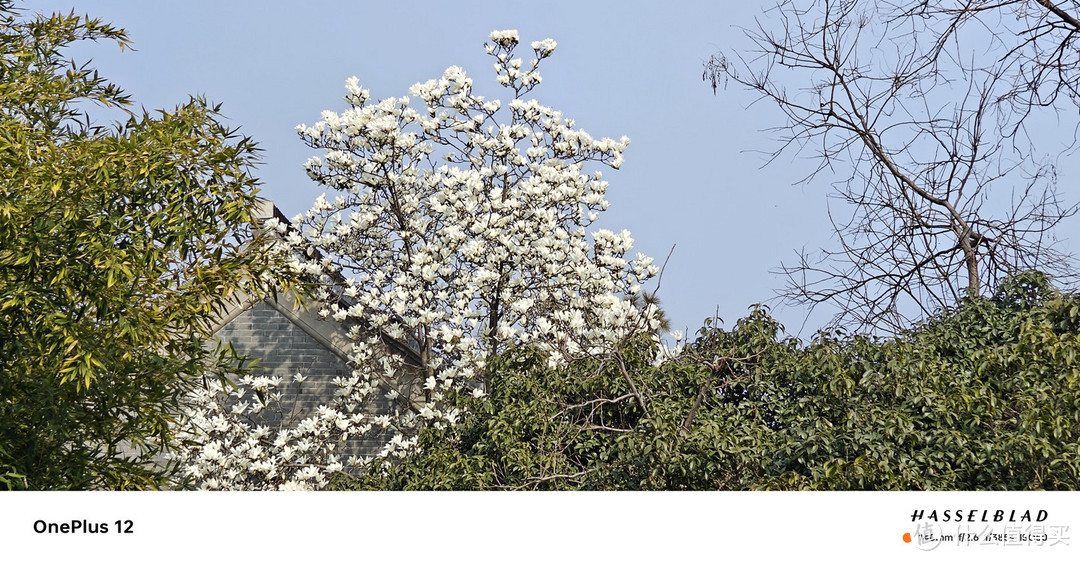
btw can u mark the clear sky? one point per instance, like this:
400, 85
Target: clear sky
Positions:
693, 176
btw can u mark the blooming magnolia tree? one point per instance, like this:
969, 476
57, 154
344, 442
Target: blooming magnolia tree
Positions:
460, 230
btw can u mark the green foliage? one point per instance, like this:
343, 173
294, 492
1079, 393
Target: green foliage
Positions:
981, 397
118, 244
985, 396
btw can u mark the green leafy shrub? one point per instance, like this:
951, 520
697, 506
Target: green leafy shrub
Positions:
983, 396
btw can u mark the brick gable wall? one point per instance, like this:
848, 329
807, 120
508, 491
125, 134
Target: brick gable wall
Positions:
282, 348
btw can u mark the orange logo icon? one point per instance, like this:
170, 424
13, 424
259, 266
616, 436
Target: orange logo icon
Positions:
907, 538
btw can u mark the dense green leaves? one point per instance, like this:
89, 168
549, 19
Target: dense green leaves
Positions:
986, 396
118, 244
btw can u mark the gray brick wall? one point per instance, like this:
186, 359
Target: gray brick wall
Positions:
282, 349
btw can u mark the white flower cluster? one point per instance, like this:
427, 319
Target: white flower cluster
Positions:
508, 70
462, 226
669, 351
505, 38
243, 438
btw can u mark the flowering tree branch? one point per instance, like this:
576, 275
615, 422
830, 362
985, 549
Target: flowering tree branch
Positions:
460, 228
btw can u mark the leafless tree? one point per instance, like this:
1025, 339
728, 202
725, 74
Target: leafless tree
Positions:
927, 111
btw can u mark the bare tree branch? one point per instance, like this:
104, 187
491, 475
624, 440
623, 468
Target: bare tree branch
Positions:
925, 104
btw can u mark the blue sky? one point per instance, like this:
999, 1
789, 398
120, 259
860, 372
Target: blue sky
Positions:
693, 176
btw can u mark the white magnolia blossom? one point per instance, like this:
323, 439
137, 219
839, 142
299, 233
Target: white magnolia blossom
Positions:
461, 227
231, 447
